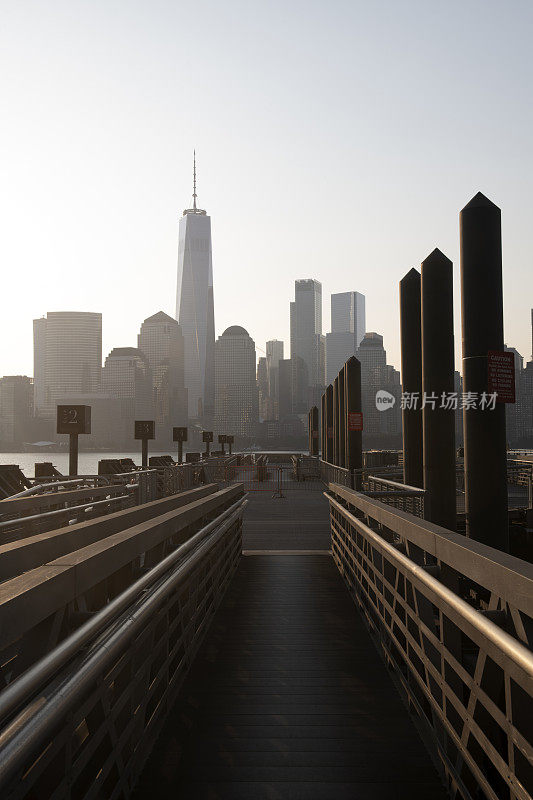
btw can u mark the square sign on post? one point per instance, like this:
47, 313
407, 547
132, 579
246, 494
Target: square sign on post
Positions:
179, 434
207, 436
73, 419
222, 438
144, 429
501, 377
355, 420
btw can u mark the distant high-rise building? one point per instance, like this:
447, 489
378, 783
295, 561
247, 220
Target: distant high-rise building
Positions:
347, 330
195, 307
348, 314
274, 354
308, 344
39, 362
127, 375
68, 357
16, 408
373, 358
236, 396
262, 387
161, 341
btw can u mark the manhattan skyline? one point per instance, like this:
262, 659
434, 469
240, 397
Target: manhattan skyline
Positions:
349, 165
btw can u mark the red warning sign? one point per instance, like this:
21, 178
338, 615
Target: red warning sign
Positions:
500, 365
355, 420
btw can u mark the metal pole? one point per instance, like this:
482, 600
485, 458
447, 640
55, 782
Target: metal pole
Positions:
411, 345
329, 425
482, 323
207, 444
354, 438
73, 454
437, 385
313, 417
144, 443
342, 419
180, 452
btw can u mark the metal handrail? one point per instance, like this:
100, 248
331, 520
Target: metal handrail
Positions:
36, 675
511, 647
28, 730
47, 514
404, 487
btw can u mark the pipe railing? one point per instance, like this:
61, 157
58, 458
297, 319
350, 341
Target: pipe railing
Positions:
131, 657
453, 618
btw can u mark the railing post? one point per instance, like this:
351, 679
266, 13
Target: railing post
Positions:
411, 348
438, 383
482, 324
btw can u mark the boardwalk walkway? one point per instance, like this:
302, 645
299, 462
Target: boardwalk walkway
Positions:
288, 697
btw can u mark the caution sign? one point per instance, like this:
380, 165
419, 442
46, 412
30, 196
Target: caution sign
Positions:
501, 379
355, 420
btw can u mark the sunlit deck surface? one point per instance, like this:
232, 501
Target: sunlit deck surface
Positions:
288, 697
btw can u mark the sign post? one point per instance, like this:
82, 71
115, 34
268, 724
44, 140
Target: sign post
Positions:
207, 437
73, 420
230, 440
222, 439
144, 430
179, 435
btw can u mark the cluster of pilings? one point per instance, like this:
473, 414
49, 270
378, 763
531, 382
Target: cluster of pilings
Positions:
427, 346
341, 420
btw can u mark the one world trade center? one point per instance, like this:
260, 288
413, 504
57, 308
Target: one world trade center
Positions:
194, 308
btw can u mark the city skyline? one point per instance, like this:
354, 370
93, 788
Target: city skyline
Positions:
99, 131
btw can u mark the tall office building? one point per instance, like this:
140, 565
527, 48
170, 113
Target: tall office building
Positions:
195, 308
377, 375
348, 314
161, 341
274, 354
236, 396
307, 344
67, 357
127, 375
16, 409
347, 330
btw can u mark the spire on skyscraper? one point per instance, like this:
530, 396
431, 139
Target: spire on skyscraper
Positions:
194, 209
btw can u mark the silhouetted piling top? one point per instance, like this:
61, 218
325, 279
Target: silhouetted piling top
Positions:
480, 201
410, 277
435, 259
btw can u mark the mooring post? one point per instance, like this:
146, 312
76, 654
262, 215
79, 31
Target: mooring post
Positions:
354, 420
329, 424
482, 324
438, 415
336, 421
411, 347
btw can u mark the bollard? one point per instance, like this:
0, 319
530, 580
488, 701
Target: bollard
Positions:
438, 421
411, 349
482, 326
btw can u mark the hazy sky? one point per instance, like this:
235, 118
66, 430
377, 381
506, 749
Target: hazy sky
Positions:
337, 141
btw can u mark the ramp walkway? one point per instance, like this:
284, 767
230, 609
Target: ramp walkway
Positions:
288, 697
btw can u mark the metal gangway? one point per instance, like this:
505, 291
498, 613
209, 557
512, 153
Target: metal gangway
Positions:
219, 642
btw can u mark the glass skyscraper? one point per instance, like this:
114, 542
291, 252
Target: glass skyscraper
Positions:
195, 309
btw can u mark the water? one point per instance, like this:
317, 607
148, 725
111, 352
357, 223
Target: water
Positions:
87, 462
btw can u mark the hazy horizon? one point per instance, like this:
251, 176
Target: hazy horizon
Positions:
336, 143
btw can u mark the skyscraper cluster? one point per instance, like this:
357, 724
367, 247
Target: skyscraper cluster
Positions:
179, 375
